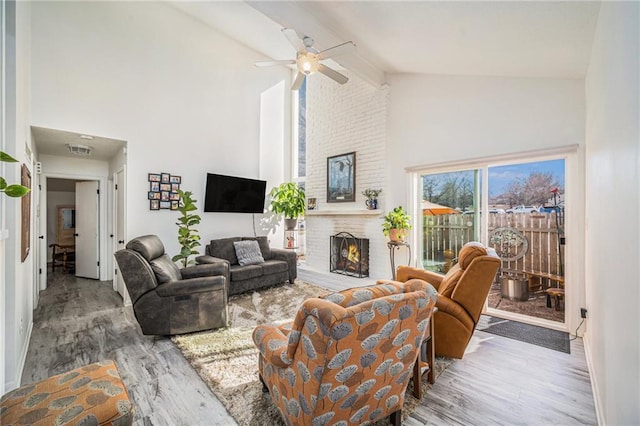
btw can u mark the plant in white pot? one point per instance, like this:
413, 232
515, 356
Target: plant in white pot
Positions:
288, 199
396, 223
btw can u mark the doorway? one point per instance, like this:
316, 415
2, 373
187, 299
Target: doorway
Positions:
515, 207
72, 227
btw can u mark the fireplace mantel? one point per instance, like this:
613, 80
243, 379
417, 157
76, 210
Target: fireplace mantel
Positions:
363, 212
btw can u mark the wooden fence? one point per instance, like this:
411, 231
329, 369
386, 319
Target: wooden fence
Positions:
524, 241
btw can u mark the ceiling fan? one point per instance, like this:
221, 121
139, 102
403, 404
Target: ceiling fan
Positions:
308, 58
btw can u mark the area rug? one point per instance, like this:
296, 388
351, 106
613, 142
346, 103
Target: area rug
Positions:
540, 336
227, 359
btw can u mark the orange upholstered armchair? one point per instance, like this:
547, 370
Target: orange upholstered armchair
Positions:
346, 359
461, 295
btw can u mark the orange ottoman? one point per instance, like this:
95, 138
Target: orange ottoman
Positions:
89, 395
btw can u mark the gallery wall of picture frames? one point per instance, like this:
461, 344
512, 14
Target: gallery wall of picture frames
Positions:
163, 191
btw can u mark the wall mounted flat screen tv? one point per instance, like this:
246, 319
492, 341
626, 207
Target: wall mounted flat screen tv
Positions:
231, 194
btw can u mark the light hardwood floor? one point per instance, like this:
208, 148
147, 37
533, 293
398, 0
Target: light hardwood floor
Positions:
499, 382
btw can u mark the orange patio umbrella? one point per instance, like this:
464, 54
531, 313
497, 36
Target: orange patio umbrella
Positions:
433, 209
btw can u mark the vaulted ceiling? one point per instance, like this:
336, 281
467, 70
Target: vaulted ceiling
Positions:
501, 38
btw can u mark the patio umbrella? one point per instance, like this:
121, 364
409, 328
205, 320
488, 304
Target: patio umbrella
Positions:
433, 209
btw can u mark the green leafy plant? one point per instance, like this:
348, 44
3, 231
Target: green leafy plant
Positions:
14, 190
288, 199
188, 237
396, 219
371, 194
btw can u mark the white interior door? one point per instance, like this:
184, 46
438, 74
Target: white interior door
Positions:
120, 230
87, 240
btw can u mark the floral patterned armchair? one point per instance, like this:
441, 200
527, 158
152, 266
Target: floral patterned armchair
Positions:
346, 359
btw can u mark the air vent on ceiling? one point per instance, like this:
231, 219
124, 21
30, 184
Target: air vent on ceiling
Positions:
78, 149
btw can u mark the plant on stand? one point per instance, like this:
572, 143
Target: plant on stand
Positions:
372, 198
396, 223
288, 199
188, 237
14, 190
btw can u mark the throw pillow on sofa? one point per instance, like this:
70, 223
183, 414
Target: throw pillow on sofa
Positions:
248, 252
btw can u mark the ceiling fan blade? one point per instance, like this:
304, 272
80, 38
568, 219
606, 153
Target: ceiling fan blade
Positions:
272, 63
293, 38
338, 50
297, 83
332, 74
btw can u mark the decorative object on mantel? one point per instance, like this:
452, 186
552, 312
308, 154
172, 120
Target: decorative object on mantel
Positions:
163, 191
188, 237
341, 178
288, 199
372, 198
312, 204
396, 224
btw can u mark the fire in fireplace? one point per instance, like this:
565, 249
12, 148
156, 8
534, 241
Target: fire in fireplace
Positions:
349, 255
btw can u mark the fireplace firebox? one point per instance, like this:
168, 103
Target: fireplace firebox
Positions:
349, 255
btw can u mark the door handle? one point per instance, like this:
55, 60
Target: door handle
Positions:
75, 235
120, 241
41, 237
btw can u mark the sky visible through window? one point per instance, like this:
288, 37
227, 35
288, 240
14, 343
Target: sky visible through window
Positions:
502, 176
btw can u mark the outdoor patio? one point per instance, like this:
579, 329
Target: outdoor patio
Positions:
535, 306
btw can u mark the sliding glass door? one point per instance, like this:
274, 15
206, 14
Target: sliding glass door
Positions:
518, 208
449, 207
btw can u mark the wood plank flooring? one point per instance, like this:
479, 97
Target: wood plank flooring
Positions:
499, 382
81, 321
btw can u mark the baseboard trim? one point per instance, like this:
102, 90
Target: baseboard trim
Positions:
23, 357
594, 381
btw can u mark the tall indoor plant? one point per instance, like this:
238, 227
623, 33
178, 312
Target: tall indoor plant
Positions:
288, 199
188, 237
14, 190
396, 223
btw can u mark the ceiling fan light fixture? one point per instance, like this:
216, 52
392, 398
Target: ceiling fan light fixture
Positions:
307, 63
78, 149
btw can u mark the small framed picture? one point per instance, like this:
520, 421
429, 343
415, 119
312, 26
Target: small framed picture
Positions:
174, 196
165, 204
154, 195
154, 205
174, 205
164, 196
175, 179
154, 177
311, 204
175, 187
164, 177
165, 187
155, 186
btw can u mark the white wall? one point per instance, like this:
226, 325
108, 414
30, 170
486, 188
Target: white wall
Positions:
613, 233
343, 119
435, 119
18, 275
184, 97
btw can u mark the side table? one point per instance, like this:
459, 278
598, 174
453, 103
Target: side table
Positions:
428, 354
393, 246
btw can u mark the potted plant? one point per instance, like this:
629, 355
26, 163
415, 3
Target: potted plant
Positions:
188, 237
396, 223
372, 198
288, 199
14, 190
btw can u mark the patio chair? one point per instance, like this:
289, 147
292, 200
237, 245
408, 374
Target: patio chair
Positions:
461, 295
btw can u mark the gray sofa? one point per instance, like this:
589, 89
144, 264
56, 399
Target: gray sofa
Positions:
279, 265
168, 300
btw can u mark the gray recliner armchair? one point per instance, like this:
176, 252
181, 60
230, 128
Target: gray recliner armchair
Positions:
168, 300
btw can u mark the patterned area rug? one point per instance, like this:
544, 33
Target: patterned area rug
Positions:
227, 359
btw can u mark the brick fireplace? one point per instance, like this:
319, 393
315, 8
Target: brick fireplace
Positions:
349, 255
